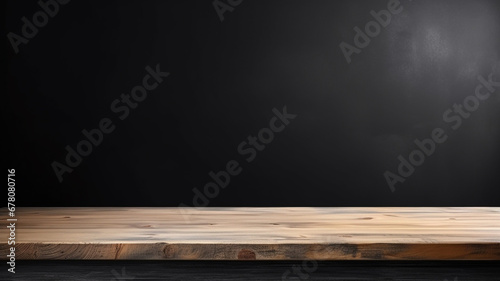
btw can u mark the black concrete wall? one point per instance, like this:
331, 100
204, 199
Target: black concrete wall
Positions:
228, 70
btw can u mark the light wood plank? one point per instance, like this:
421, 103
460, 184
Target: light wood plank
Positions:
257, 233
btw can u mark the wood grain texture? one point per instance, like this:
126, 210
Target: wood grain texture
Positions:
256, 233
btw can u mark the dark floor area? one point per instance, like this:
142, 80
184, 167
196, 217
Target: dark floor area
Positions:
290, 270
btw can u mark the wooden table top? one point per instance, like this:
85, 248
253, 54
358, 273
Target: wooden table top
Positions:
338, 233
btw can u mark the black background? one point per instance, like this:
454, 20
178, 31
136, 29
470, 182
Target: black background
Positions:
226, 77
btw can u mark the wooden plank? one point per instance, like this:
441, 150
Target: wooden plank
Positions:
257, 233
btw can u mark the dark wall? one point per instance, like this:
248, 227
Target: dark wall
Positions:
351, 120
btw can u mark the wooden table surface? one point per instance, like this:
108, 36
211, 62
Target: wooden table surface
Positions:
343, 233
